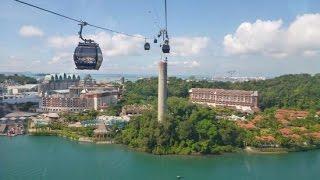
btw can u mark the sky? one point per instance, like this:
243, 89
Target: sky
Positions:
207, 37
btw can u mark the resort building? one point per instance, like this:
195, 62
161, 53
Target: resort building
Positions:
246, 101
56, 103
58, 82
32, 97
97, 100
77, 95
18, 89
17, 94
100, 99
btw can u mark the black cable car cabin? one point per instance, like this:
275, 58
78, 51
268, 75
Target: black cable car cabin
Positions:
166, 48
88, 56
147, 46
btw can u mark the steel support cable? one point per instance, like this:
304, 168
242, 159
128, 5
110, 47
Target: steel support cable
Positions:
80, 21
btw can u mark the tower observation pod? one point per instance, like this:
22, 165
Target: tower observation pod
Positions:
162, 90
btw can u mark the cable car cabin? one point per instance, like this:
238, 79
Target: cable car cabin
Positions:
88, 56
146, 46
155, 40
165, 48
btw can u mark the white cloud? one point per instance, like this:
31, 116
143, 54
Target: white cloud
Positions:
30, 31
184, 64
62, 58
60, 42
310, 53
271, 38
18, 63
192, 64
111, 45
121, 45
36, 62
188, 46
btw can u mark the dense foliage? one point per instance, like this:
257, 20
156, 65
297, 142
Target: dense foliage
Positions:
21, 79
83, 116
192, 129
62, 129
27, 106
299, 91
189, 129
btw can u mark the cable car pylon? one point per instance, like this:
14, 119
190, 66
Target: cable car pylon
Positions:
163, 77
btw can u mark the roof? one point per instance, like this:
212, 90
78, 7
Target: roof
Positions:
289, 115
285, 131
3, 119
26, 86
20, 114
267, 138
246, 125
101, 129
13, 118
52, 115
224, 91
100, 91
62, 91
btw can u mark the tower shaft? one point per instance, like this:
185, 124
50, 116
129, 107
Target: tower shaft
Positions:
162, 90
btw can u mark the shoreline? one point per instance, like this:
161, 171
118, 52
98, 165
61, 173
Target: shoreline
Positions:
77, 139
254, 150
248, 149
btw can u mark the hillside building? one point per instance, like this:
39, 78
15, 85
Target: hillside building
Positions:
246, 101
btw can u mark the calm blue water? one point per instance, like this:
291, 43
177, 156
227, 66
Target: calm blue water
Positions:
27, 157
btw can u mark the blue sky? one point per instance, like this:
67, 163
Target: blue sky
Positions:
208, 37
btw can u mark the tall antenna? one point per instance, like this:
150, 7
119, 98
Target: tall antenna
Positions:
165, 14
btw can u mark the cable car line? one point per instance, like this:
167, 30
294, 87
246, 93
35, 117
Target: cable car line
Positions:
164, 32
80, 21
88, 55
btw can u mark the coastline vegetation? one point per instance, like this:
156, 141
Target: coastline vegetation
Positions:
21, 79
61, 129
188, 129
195, 129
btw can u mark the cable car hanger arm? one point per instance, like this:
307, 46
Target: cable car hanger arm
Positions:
83, 23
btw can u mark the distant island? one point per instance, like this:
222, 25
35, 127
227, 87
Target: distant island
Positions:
287, 118
21, 79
